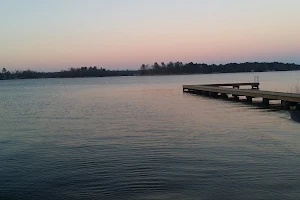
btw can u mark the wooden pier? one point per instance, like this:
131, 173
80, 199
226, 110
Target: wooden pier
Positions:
234, 89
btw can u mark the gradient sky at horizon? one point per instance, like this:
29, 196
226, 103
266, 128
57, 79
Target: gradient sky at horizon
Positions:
123, 34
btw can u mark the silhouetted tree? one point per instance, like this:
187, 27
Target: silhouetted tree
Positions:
4, 74
170, 68
71, 73
193, 68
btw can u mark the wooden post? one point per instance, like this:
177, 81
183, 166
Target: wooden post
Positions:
286, 105
224, 96
236, 98
255, 86
266, 102
249, 99
199, 92
213, 94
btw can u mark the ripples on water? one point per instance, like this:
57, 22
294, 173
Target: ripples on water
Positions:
142, 138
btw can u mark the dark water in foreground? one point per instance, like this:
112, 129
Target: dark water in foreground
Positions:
142, 138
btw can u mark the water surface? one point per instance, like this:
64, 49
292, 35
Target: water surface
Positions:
143, 138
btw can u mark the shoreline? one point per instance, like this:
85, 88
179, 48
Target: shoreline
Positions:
144, 75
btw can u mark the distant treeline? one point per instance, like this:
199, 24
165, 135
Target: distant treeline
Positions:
196, 68
71, 73
155, 69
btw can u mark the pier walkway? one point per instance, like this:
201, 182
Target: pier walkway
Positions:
223, 91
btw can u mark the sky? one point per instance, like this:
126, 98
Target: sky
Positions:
50, 35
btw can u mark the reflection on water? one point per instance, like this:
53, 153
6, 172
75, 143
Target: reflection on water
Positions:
143, 138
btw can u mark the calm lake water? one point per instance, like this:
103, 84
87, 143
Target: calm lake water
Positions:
143, 138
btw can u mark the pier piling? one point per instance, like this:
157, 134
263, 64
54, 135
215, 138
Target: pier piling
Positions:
249, 99
266, 102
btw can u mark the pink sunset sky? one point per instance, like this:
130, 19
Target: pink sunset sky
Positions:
114, 34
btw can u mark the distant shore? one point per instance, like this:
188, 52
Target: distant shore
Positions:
177, 68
